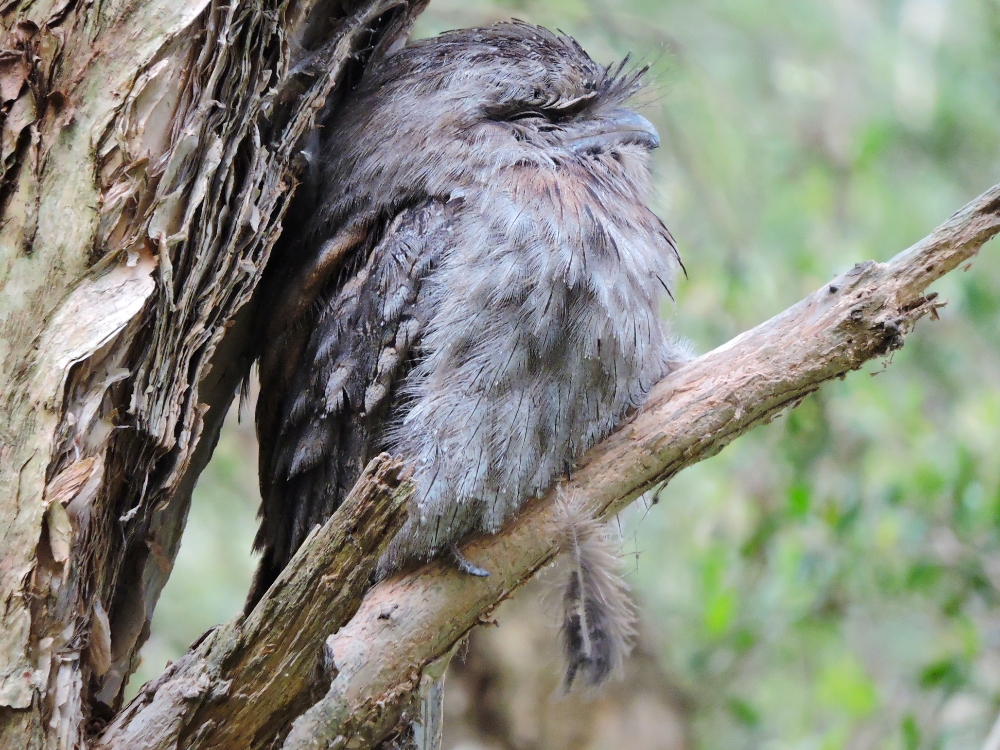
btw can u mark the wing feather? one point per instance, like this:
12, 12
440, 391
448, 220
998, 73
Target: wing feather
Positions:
328, 388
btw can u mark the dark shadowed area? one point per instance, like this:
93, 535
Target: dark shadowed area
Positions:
831, 580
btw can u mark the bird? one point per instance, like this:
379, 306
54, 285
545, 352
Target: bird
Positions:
472, 281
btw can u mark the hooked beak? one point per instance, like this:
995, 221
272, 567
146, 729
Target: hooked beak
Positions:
618, 127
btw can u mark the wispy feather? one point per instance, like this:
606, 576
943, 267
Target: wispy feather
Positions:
598, 618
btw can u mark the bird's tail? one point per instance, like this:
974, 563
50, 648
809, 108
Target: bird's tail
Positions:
598, 618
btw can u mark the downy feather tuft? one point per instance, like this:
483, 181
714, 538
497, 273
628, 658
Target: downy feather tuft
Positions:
598, 618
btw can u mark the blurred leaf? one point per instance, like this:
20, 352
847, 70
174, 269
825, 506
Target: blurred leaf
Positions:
911, 733
743, 712
720, 607
948, 675
843, 684
798, 501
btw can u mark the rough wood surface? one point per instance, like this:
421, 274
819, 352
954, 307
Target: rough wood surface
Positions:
244, 683
406, 626
860, 315
147, 153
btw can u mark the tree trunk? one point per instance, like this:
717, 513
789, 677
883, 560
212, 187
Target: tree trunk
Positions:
148, 156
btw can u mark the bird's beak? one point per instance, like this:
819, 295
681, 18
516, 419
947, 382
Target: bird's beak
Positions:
620, 126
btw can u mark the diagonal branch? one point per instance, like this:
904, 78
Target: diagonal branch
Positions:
689, 416
242, 683
405, 625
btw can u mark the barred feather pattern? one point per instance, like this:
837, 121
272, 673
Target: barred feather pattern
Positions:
598, 617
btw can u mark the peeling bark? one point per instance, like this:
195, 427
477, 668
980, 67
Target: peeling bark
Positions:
147, 155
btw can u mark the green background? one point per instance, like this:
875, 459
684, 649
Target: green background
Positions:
831, 580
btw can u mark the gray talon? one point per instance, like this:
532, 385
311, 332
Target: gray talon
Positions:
465, 566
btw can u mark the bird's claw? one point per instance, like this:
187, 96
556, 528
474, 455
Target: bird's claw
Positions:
464, 565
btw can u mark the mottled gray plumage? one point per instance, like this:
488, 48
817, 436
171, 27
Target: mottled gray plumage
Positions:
475, 286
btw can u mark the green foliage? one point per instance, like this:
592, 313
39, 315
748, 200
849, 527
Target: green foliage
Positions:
213, 569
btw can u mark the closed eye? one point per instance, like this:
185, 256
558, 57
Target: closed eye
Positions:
555, 111
528, 115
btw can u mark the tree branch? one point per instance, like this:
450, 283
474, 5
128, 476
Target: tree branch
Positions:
406, 625
688, 417
251, 677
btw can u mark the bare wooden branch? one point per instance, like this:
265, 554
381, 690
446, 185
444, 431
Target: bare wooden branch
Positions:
406, 627
690, 416
247, 680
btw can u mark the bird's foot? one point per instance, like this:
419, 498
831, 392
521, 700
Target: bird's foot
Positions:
464, 565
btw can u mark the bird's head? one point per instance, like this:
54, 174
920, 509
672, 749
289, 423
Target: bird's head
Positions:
444, 115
